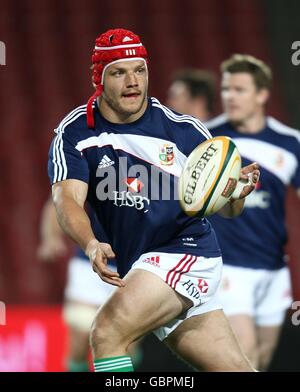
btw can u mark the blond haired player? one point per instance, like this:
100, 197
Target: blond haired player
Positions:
255, 290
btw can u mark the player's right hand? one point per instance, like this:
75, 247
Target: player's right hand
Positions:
99, 253
249, 177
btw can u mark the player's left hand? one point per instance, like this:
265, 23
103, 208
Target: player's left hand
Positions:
249, 177
99, 253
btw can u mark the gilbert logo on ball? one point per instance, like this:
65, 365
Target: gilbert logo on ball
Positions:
209, 176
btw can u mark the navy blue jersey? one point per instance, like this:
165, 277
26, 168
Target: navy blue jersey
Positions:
132, 171
99, 234
257, 237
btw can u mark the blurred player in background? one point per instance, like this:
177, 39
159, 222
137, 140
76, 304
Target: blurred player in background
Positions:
84, 292
255, 290
192, 91
161, 273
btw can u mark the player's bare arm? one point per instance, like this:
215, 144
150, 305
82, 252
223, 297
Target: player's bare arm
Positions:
52, 242
69, 197
235, 206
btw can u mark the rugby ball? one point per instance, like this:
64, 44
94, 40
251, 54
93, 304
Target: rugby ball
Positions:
209, 176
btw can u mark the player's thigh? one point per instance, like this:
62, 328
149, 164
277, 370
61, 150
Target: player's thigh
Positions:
267, 337
244, 328
145, 303
237, 289
271, 313
78, 317
277, 299
207, 342
237, 295
78, 344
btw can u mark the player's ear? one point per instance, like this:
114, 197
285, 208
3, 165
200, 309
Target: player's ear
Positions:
263, 96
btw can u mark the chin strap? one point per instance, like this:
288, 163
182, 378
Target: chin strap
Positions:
89, 108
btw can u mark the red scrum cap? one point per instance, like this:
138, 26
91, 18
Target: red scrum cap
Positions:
111, 47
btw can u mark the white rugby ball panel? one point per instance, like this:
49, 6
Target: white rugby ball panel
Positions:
209, 176
227, 183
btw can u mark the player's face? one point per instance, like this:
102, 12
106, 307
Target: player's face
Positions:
240, 97
125, 89
179, 97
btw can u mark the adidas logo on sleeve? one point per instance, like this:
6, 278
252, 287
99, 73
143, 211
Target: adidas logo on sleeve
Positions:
105, 162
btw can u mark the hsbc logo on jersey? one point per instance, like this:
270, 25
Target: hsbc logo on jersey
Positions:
133, 184
203, 286
191, 289
149, 182
126, 199
153, 260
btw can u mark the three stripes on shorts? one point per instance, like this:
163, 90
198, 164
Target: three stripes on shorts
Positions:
182, 267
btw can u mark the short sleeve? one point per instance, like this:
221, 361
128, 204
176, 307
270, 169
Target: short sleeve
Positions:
65, 162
